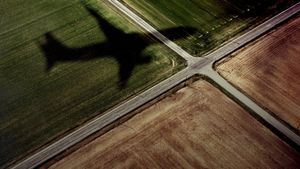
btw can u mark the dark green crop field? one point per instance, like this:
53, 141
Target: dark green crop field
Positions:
63, 62
216, 20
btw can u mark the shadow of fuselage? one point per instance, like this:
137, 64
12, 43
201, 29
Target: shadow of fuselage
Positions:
126, 49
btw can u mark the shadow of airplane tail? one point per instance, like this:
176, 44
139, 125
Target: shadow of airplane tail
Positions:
52, 49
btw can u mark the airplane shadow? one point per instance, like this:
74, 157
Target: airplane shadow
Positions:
125, 48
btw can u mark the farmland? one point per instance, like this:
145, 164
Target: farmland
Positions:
189, 129
216, 21
268, 71
40, 101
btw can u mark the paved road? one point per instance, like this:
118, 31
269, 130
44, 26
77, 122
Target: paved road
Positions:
208, 71
195, 66
190, 59
204, 65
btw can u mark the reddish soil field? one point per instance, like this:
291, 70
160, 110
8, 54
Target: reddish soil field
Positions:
268, 71
197, 127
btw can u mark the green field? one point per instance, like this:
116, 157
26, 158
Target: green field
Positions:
216, 20
37, 106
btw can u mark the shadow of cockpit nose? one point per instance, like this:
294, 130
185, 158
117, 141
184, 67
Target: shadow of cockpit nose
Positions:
178, 32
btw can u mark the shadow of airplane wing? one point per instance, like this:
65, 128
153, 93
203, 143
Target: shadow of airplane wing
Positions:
125, 71
126, 66
107, 28
113, 33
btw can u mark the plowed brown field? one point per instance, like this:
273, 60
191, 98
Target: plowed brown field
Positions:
269, 72
196, 127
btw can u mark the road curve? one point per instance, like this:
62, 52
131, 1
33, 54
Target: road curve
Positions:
195, 66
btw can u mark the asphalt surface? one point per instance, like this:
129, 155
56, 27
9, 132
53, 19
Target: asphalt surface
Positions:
202, 66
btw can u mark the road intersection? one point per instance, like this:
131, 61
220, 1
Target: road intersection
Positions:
204, 65
195, 66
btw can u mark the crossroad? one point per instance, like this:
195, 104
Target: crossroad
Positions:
195, 66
